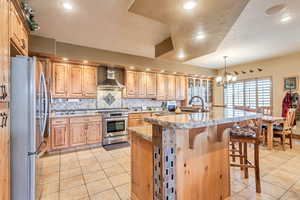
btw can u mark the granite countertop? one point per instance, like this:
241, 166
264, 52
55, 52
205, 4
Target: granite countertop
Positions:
142, 131
53, 115
144, 111
217, 115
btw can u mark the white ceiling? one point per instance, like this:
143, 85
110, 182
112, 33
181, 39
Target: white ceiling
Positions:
257, 36
103, 24
107, 24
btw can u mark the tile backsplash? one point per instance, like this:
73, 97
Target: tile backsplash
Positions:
105, 99
73, 104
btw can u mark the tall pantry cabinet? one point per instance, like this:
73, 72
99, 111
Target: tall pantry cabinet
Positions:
4, 102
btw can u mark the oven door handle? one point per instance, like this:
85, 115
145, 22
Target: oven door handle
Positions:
115, 119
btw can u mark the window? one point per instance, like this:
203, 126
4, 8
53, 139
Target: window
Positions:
252, 93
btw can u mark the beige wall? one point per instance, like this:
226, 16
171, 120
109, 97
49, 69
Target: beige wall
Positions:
277, 68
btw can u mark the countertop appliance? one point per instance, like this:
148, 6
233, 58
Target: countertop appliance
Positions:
171, 106
115, 124
29, 118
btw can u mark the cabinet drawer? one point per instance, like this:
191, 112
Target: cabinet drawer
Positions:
139, 115
85, 119
59, 121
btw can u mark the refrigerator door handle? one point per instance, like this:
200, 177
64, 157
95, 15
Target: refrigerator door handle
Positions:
45, 115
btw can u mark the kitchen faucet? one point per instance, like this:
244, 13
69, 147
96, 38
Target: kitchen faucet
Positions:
197, 97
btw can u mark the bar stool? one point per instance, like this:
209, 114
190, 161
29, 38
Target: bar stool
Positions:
244, 135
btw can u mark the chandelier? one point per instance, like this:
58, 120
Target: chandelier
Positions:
223, 81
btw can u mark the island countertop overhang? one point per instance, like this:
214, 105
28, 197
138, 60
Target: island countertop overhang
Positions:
214, 117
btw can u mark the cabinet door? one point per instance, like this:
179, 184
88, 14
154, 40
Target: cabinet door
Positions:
151, 85
90, 81
4, 53
24, 40
60, 80
15, 24
132, 84
75, 81
142, 87
94, 133
161, 87
180, 87
170, 87
59, 136
77, 134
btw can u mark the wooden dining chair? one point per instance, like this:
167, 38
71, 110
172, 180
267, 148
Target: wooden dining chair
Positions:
284, 130
268, 111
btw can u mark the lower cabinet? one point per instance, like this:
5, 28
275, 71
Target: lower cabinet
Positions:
93, 133
75, 131
77, 134
59, 136
137, 119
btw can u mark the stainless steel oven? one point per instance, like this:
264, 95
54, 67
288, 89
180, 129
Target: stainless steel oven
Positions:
115, 127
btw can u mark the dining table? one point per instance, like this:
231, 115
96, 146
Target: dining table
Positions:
270, 121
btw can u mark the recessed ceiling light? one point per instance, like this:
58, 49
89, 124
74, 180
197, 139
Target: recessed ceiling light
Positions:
200, 36
85, 61
286, 18
67, 6
131, 67
275, 9
189, 5
162, 71
148, 69
174, 72
181, 56
65, 59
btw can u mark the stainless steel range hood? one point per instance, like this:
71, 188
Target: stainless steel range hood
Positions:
110, 78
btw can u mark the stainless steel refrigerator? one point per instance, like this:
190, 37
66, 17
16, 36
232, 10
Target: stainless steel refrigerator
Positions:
29, 117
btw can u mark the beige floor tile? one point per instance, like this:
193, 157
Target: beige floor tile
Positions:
75, 193
290, 196
49, 178
49, 188
98, 186
91, 168
109, 164
270, 189
69, 166
88, 162
94, 176
106, 195
104, 157
249, 194
71, 182
237, 186
119, 179
45, 171
296, 188
70, 173
124, 191
281, 178
236, 197
54, 196
113, 171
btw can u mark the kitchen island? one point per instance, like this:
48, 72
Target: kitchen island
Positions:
184, 156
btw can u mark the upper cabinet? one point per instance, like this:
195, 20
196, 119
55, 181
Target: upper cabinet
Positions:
155, 86
89, 81
73, 81
181, 87
18, 31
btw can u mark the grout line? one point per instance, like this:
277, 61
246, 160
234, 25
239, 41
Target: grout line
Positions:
89, 197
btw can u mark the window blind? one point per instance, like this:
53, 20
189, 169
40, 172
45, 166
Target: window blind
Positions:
252, 93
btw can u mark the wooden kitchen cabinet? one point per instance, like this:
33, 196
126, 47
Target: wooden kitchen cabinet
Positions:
142, 86
18, 32
161, 87
180, 88
77, 134
60, 80
137, 119
59, 134
132, 83
94, 133
170, 87
151, 85
75, 81
89, 81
